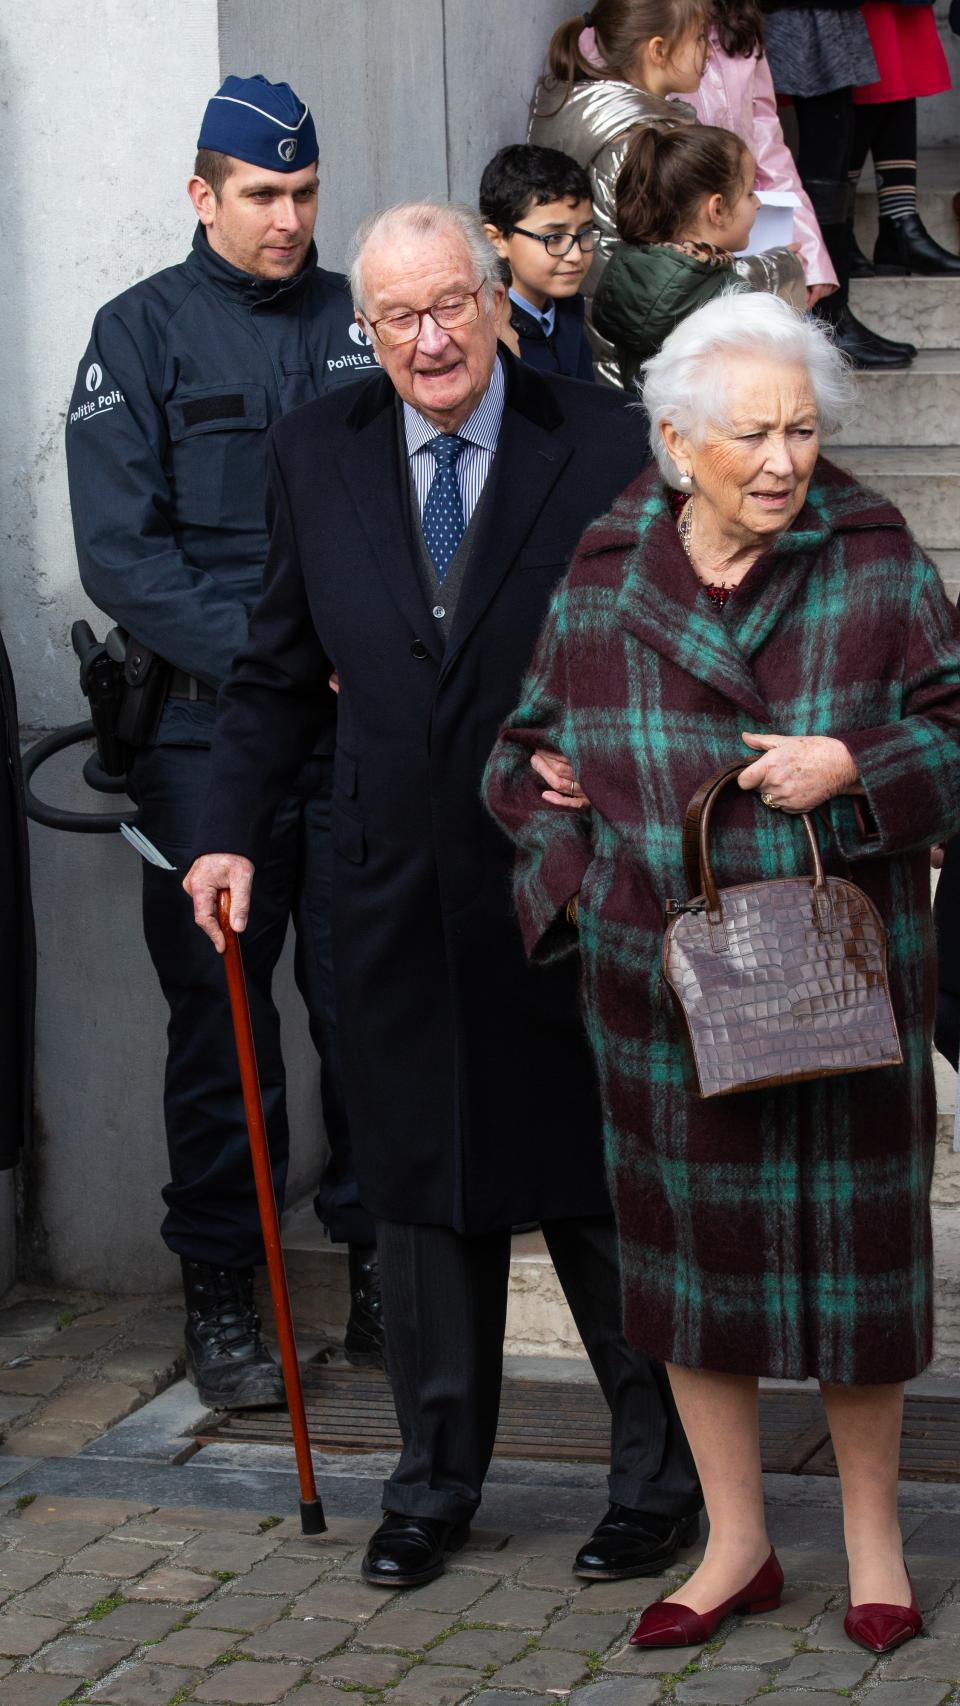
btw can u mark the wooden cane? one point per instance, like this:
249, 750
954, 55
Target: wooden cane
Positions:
312, 1519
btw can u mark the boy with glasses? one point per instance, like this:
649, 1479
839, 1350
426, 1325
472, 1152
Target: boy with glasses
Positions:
538, 213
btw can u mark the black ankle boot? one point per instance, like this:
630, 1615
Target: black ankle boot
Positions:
363, 1342
908, 244
226, 1356
861, 265
867, 350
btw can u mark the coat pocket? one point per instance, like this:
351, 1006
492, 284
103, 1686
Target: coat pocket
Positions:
349, 839
216, 438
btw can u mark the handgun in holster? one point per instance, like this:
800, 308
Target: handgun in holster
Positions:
126, 685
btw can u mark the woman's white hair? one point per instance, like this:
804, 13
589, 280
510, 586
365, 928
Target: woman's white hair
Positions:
426, 218
688, 382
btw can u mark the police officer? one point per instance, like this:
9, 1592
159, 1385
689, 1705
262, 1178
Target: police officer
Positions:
182, 378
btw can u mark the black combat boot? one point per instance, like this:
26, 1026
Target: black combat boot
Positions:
226, 1357
363, 1342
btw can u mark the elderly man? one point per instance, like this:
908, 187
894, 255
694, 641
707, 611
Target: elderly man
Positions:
165, 450
419, 524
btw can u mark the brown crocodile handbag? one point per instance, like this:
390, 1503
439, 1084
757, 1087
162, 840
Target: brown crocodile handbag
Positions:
778, 980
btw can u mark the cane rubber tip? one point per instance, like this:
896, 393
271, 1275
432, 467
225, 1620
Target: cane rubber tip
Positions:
312, 1520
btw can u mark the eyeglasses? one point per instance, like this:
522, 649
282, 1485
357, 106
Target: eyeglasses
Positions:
560, 242
453, 311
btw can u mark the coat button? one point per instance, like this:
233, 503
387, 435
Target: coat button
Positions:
438, 611
419, 650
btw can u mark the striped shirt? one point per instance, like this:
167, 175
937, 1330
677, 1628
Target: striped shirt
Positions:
481, 431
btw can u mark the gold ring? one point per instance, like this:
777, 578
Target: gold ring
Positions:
769, 800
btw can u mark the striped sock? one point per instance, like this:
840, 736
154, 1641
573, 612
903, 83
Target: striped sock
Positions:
896, 188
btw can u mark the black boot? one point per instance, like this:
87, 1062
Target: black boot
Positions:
865, 349
226, 1356
833, 204
906, 243
861, 265
363, 1342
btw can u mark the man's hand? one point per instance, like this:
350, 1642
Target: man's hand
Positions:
798, 772
562, 788
205, 877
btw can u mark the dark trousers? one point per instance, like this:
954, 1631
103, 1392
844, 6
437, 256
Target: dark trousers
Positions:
445, 1306
825, 127
211, 1201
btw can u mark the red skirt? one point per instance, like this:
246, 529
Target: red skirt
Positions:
907, 49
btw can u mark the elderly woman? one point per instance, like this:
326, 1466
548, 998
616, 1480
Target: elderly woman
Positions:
747, 593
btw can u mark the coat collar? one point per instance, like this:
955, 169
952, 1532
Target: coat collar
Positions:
243, 287
660, 600
530, 457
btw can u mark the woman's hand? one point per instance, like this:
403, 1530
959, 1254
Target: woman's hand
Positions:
816, 292
798, 772
562, 788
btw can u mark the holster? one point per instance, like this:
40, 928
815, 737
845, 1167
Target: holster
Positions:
146, 680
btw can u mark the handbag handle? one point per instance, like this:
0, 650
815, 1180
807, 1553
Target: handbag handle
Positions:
696, 846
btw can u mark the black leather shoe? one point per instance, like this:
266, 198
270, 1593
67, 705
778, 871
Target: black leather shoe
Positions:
407, 1551
363, 1341
226, 1357
634, 1543
907, 244
867, 350
860, 264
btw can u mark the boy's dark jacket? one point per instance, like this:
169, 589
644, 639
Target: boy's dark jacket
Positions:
566, 350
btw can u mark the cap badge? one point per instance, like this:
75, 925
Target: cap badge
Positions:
287, 149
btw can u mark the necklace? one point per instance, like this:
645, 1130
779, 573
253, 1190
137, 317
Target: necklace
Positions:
715, 590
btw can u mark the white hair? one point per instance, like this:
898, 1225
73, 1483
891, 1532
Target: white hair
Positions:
426, 218
688, 381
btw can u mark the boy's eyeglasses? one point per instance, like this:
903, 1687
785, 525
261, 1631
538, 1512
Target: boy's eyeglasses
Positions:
560, 243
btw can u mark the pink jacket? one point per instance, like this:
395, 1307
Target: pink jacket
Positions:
737, 94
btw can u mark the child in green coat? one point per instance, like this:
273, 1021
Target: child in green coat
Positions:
685, 205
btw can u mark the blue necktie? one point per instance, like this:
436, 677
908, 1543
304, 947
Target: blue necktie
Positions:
443, 523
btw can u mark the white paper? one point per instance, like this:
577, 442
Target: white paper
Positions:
773, 226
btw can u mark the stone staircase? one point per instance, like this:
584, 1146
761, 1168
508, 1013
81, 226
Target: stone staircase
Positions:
904, 441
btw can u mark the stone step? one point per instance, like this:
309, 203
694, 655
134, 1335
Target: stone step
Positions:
924, 311
923, 483
948, 562
919, 404
938, 179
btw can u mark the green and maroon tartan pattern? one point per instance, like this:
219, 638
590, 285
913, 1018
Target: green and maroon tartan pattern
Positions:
780, 1232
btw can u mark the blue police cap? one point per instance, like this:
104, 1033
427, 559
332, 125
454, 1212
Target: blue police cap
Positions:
260, 122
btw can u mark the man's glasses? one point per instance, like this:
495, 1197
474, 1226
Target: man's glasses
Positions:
453, 311
560, 243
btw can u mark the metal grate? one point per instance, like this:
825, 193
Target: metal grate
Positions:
351, 1410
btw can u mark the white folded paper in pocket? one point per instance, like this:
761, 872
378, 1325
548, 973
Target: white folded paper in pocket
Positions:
773, 226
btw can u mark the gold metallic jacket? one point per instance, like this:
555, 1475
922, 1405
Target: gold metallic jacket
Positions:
596, 124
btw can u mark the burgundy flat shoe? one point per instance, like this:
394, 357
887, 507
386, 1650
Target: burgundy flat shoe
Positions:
675, 1625
880, 1628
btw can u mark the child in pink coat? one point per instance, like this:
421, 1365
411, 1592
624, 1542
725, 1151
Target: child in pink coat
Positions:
737, 94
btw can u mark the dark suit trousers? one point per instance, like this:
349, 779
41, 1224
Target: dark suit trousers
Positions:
445, 1306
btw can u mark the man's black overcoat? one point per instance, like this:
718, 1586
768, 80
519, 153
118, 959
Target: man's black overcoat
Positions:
470, 1088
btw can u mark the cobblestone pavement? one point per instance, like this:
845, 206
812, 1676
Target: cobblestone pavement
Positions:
106, 1600
72, 1364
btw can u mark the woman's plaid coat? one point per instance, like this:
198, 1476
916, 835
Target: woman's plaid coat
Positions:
779, 1232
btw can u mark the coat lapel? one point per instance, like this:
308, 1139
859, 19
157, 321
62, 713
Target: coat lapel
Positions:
376, 479
528, 463
660, 603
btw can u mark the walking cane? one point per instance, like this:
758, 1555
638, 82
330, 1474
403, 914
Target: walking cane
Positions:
312, 1520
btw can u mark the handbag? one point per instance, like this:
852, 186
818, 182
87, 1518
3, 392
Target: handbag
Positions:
778, 980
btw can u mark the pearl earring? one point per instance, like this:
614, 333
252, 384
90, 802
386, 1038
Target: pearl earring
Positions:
686, 481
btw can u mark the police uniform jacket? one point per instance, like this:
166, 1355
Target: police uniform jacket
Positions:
181, 380
471, 1090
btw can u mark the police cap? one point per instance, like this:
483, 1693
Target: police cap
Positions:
264, 123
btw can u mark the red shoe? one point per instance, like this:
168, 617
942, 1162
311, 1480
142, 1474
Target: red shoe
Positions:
880, 1628
675, 1625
